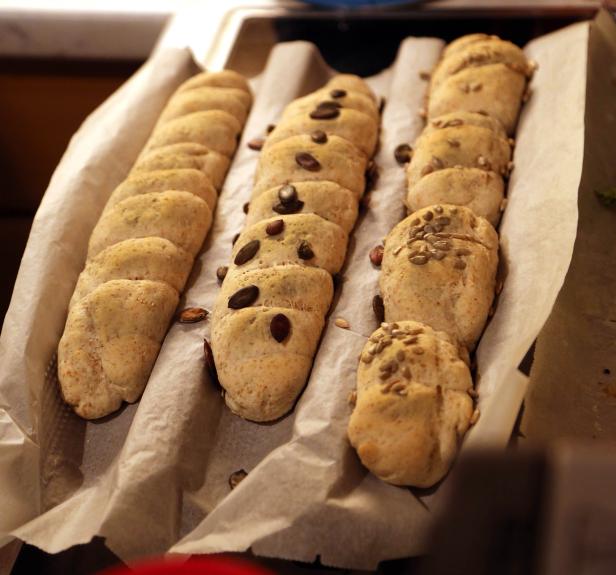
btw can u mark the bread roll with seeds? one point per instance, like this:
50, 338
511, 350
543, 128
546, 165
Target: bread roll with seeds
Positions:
464, 145
263, 376
142, 248
479, 190
480, 53
187, 155
494, 89
215, 129
413, 404
268, 318
348, 100
305, 239
459, 119
350, 83
186, 180
300, 159
326, 199
444, 254
355, 127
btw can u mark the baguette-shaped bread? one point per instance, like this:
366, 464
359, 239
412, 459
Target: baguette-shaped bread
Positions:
271, 309
110, 342
355, 127
494, 89
141, 250
443, 254
300, 159
187, 155
214, 129
412, 406
326, 199
187, 180
306, 240
180, 217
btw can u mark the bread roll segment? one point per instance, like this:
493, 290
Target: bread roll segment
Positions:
412, 404
142, 249
414, 393
270, 312
439, 268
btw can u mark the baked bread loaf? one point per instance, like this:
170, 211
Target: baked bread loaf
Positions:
443, 254
460, 158
270, 312
414, 389
142, 249
481, 74
413, 404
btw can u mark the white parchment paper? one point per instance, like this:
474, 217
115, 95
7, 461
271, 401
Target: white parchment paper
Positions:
157, 472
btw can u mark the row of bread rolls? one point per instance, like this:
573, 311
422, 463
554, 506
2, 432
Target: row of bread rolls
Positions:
414, 399
270, 312
142, 249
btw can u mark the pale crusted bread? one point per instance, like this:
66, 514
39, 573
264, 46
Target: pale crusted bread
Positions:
441, 254
289, 286
222, 79
215, 129
326, 240
261, 376
350, 83
350, 100
465, 41
142, 248
338, 161
412, 407
495, 90
480, 53
180, 217
149, 258
187, 155
110, 342
464, 118
231, 100
465, 145
351, 125
479, 190
326, 199
184, 180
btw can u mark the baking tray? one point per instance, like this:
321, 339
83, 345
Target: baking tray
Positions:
365, 41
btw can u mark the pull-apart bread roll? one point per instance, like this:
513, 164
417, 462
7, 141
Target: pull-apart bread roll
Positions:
485, 75
142, 249
271, 309
185, 156
413, 404
439, 268
301, 159
460, 158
